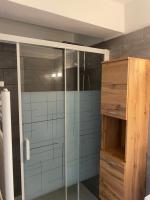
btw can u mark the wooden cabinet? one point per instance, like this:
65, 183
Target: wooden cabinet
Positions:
114, 88
125, 115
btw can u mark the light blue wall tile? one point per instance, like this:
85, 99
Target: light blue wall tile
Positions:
26, 107
72, 173
41, 131
51, 96
27, 131
39, 111
60, 96
43, 155
51, 108
26, 116
33, 184
60, 127
26, 97
48, 137
38, 97
60, 107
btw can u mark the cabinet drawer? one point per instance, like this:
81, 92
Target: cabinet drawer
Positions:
114, 88
111, 179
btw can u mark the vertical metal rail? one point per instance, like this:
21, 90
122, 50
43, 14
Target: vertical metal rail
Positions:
106, 55
20, 121
66, 180
83, 71
7, 145
78, 120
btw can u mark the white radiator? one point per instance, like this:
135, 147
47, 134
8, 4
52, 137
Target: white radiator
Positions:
1, 167
7, 185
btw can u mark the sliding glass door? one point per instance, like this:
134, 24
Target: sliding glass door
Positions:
60, 123
72, 123
43, 121
89, 134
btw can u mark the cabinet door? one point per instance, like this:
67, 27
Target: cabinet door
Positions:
114, 88
111, 178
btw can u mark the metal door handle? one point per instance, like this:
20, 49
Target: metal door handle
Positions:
27, 149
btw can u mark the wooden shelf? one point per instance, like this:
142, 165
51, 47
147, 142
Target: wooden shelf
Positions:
117, 153
112, 156
114, 136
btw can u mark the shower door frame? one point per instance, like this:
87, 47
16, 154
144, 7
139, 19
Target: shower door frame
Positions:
17, 40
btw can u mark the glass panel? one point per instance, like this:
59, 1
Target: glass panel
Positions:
72, 127
42, 91
90, 76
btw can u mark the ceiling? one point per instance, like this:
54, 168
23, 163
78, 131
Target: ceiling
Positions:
18, 12
124, 1
107, 18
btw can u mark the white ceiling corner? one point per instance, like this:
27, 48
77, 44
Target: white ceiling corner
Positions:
124, 1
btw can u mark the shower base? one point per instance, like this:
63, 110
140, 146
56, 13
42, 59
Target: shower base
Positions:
85, 194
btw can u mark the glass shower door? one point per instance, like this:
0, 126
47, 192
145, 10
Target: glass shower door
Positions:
72, 123
89, 142
60, 98
43, 122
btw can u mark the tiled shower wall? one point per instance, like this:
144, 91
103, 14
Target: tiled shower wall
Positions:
135, 44
51, 107
8, 73
44, 125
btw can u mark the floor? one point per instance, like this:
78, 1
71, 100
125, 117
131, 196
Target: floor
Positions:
93, 185
18, 198
85, 194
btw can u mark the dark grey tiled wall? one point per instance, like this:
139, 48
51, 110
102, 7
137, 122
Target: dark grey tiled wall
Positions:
135, 44
8, 74
36, 72
91, 75
35, 69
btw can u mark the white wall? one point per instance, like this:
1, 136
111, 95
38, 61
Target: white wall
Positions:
87, 40
104, 19
33, 31
97, 17
103, 13
137, 15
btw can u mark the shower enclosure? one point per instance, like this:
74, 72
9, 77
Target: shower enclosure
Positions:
59, 117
